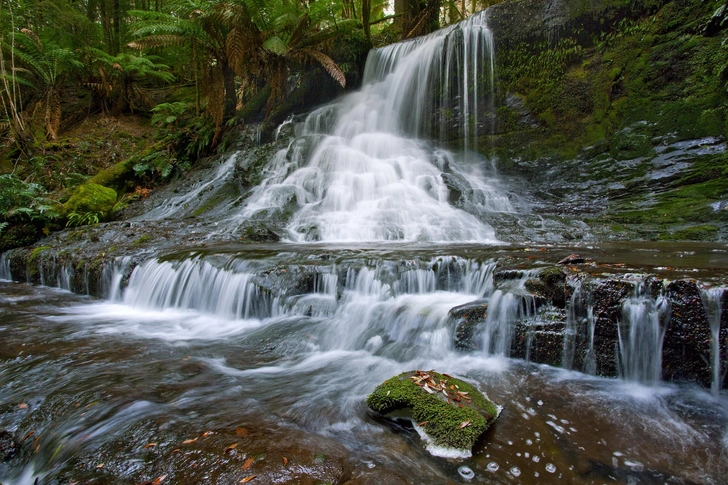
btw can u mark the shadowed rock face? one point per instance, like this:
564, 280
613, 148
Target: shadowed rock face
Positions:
686, 349
544, 336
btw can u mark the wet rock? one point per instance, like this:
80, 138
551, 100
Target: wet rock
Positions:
8, 447
469, 319
541, 339
573, 259
259, 231
458, 187
686, 350
717, 22
502, 276
452, 412
550, 286
608, 298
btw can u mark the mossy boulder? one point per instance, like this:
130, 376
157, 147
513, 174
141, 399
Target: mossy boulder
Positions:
91, 197
450, 411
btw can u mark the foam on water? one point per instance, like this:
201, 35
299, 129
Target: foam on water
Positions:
361, 170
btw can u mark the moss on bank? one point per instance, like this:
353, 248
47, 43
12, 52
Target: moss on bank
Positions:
455, 421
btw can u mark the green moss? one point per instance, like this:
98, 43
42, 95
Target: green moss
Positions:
91, 197
35, 253
442, 420
695, 233
116, 176
143, 239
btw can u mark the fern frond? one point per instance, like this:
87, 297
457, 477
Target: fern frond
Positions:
328, 63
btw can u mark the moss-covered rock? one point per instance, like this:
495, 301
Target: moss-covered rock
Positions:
91, 197
452, 412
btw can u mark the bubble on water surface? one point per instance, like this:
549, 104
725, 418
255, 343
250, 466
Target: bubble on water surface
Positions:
493, 466
536, 458
466, 472
515, 471
550, 467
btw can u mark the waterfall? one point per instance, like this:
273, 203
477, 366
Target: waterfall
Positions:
711, 298
641, 333
362, 170
5, 268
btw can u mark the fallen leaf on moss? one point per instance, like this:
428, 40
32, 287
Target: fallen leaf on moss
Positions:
464, 424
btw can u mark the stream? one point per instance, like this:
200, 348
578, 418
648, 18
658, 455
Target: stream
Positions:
113, 391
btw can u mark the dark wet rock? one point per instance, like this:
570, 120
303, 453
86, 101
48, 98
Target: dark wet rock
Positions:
540, 339
458, 187
686, 351
469, 320
506, 275
551, 286
718, 22
452, 412
8, 446
259, 231
608, 298
573, 259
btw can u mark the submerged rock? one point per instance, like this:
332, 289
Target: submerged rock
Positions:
451, 413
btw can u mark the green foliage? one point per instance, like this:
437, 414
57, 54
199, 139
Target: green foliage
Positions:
23, 201
119, 80
76, 219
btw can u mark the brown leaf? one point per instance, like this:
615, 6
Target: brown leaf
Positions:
187, 442
100, 465
247, 479
460, 405
464, 424
22, 405
27, 435
207, 433
242, 432
150, 445
159, 480
422, 423
231, 448
248, 463
285, 460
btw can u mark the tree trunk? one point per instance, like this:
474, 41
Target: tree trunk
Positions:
230, 95
366, 12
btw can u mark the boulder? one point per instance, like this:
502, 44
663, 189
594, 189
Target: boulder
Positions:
451, 413
469, 319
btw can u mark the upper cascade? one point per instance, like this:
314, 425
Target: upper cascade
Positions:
363, 171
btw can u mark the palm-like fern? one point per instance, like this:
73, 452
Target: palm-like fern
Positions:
119, 79
45, 68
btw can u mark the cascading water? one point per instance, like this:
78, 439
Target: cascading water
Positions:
711, 298
361, 170
4, 268
641, 333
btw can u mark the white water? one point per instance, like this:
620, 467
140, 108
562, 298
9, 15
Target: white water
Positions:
711, 298
641, 334
4, 268
362, 171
